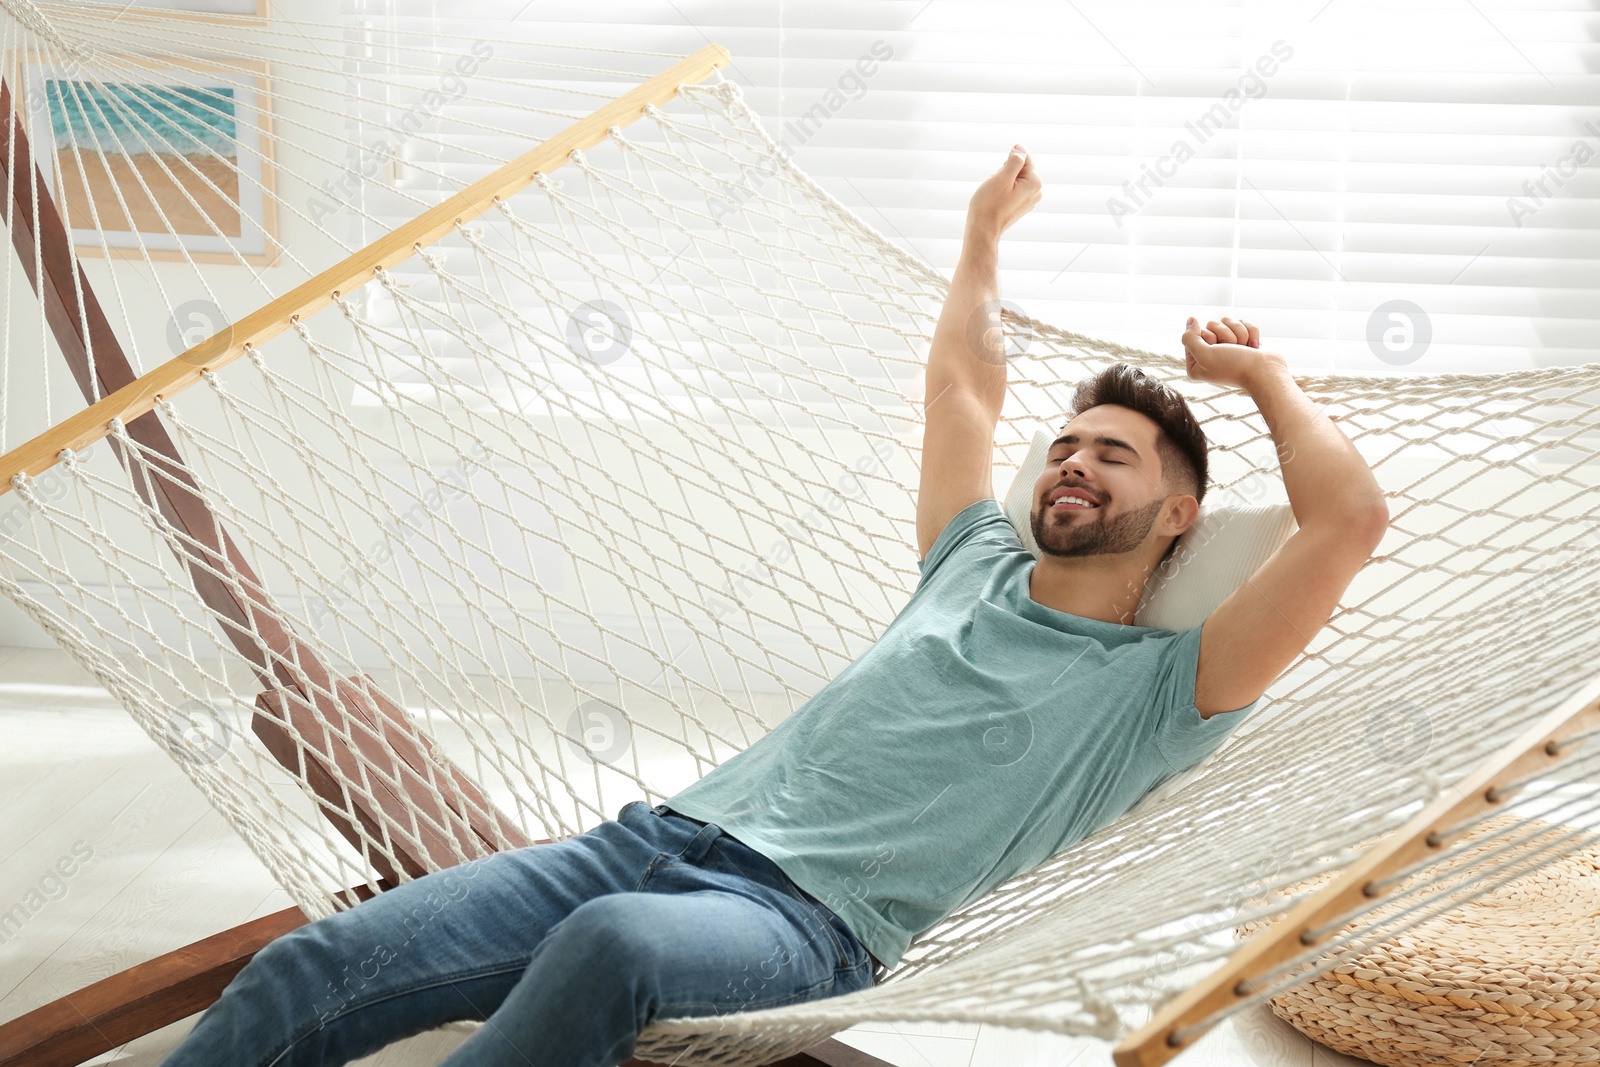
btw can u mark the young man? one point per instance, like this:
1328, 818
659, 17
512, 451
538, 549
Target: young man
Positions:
1010, 709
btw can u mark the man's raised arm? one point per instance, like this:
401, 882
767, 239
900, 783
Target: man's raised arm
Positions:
1253, 636
966, 375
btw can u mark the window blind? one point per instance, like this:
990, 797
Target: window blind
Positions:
1398, 186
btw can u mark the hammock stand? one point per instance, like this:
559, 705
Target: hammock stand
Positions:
173, 986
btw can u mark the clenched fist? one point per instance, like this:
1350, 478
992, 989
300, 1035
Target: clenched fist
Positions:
1226, 353
1005, 196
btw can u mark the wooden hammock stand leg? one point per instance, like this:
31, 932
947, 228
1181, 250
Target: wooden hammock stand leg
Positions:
290, 721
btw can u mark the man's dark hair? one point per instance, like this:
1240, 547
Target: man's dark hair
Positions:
1179, 440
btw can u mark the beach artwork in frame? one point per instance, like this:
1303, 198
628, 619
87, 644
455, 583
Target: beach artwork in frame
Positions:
169, 164
252, 9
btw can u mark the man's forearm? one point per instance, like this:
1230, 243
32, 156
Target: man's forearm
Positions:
966, 351
1328, 482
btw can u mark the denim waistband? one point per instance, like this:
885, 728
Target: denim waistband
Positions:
663, 810
700, 844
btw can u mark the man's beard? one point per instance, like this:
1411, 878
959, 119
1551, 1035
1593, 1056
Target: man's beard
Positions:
1090, 534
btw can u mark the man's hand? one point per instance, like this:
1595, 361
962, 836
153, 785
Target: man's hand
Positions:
1005, 196
1226, 353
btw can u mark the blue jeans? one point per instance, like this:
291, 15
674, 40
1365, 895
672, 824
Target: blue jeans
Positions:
566, 949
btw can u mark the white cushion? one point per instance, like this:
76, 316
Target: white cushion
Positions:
1224, 546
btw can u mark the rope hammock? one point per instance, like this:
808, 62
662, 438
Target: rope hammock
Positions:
560, 494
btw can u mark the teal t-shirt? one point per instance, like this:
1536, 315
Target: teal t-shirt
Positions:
979, 735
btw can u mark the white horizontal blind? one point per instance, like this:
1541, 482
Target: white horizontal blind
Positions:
1437, 152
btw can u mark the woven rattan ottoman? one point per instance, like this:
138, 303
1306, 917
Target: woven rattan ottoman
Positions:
1510, 979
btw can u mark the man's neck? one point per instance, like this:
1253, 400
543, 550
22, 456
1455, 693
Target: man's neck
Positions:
1104, 587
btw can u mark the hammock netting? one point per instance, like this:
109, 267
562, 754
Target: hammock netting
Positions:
586, 497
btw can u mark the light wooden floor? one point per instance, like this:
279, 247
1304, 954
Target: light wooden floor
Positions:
75, 772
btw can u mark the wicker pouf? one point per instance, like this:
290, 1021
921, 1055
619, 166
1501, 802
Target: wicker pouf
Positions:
1510, 979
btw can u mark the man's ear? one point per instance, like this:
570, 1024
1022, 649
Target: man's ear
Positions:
1182, 509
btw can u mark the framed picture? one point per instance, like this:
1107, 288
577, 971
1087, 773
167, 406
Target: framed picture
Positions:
254, 9
174, 162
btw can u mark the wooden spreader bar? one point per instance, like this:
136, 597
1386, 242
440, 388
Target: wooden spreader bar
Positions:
166, 381
1187, 1016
